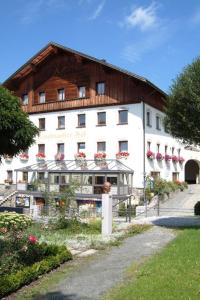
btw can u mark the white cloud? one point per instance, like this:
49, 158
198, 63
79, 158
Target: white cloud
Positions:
142, 17
97, 11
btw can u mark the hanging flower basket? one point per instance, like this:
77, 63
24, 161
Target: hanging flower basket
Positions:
174, 159
181, 160
150, 155
24, 157
159, 156
167, 157
122, 155
8, 158
100, 156
40, 156
59, 156
80, 156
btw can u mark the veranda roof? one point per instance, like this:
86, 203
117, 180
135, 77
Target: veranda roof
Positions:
74, 166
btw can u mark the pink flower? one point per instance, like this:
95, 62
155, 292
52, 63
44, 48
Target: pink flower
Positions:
32, 239
167, 157
174, 158
159, 156
150, 154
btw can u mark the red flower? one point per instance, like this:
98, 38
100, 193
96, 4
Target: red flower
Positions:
150, 154
32, 239
40, 155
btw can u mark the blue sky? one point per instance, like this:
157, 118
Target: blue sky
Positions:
155, 39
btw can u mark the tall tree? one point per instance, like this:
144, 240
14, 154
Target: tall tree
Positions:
183, 106
17, 132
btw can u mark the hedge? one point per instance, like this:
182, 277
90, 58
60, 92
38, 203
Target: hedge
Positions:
11, 282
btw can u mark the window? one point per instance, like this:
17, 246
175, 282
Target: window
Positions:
25, 99
148, 145
101, 146
101, 116
123, 117
149, 118
175, 176
61, 94
41, 148
158, 147
25, 176
81, 147
42, 124
61, 122
172, 150
123, 146
42, 97
155, 175
100, 88
9, 175
81, 120
158, 123
82, 92
61, 148
41, 176
179, 152
166, 147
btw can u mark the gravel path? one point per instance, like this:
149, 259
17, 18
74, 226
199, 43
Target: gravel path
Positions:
107, 269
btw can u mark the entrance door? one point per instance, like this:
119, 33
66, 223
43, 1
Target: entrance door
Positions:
192, 172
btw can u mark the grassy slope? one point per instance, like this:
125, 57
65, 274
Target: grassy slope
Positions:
172, 274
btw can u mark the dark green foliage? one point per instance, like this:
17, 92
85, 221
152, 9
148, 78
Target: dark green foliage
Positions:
197, 209
11, 282
17, 132
183, 105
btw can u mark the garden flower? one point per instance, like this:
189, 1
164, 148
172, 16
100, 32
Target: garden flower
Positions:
32, 239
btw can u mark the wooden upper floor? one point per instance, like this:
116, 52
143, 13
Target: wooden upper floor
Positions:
59, 78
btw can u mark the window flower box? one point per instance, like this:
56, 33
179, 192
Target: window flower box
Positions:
59, 156
181, 159
174, 159
150, 155
24, 157
167, 157
100, 156
122, 154
80, 156
40, 156
159, 156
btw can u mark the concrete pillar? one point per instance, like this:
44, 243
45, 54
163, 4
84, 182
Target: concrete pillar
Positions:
106, 228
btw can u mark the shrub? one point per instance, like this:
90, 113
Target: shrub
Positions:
197, 209
10, 221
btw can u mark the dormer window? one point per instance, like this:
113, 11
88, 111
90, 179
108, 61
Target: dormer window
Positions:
81, 92
42, 97
61, 94
25, 99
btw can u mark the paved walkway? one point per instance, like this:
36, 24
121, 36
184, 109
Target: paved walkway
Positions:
107, 269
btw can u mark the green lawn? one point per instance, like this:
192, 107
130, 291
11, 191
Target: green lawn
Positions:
172, 274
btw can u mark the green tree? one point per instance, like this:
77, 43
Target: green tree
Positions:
17, 132
183, 105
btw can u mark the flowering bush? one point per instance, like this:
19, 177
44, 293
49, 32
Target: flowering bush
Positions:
59, 156
150, 154
100, 156
174, 158
159, 156
12, 221
32, 239
122, 154
167, 157
40, 156
181, 159
80, 156
24, 156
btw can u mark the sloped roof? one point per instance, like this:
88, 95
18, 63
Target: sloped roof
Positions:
50, 47
73, 166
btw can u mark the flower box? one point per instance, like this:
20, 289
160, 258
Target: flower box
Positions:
8, 158
174, 158
59, 156
24, 157
100, 156
80, 156
40, 156
150, 155
122, 154
167, 157
159, 156
181, 159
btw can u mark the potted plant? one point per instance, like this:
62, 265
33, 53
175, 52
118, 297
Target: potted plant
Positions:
181, 159
59, 156
40, 156
80, 156
167, 157
24, 157
159, 156
150, 155
100, 156
122, 154
8, 158
174, 159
